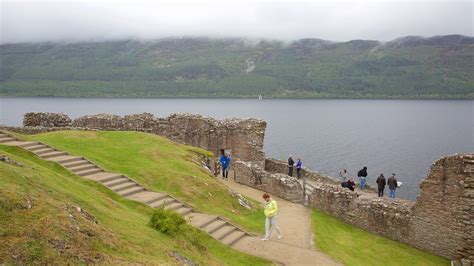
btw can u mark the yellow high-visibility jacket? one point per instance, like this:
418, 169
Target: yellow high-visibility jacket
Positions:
271, 208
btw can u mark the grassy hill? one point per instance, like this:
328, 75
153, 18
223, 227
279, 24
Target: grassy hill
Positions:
354, 246
40, 222
408, 67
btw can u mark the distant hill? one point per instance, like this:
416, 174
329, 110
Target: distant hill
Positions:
407, 67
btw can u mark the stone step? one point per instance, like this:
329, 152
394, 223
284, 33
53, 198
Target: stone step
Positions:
3, 135
184, 211
80, 168
116, 182
13, 143
44, 150
89, 172
27, 144
37, 147
131, 191
208, 222
66, 159
155, 199
223, 232
124, 186
162, 202
147, 196
234, 237
216, 225
6, 139
76, 163
104, 177
53, 154
173, 206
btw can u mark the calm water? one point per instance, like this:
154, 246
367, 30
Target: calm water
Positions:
387, 136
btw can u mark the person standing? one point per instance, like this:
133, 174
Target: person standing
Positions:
291, 164
362, 174
222, 161
392, 185
271, 210
343, 175
224, 166
227, 164
381, 184
299, 165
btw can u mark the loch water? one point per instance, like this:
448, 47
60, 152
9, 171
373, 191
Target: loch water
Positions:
387, 136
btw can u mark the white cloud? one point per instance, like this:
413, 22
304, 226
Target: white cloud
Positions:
25, 21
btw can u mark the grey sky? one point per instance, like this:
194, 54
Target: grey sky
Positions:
26, 21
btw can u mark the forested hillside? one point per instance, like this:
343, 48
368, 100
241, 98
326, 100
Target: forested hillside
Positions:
408, 67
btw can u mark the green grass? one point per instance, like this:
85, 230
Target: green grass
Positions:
159, 164
122, 234
354, 246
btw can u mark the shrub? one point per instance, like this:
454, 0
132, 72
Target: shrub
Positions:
167, 221
196, 238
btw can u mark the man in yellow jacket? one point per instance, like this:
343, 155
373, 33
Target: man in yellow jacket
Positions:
270, 211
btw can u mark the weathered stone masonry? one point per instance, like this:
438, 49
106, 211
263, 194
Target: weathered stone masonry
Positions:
440, 221
244, 137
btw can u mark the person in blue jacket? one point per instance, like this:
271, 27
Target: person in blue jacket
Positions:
222, 162
299, 165
225, 164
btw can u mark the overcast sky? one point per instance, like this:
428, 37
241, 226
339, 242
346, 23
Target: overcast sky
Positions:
31, 21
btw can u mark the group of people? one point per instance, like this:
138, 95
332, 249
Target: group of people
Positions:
291, 165
348, 182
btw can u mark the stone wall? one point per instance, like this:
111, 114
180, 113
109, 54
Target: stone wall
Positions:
276, 166
443, 215
244, 137
440, 221
46, 120
280, 185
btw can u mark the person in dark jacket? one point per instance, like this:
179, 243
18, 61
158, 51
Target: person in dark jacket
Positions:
291, 164
350, 184
362, 174
381, 184
299, 165
392, 185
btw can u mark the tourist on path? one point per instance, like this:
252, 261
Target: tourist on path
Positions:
381, 184
299, 165
271, 210
392, 185
227, 163
291, 163
343, 175
362, 174
224, 165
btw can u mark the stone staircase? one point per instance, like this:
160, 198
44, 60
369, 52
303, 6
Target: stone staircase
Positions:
216, 226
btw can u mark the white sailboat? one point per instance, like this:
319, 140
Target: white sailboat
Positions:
260, 97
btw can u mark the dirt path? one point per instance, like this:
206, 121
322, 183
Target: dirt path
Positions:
294, 221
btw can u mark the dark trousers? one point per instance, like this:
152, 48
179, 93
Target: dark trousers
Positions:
298, 172
381, 192
290, 171
225, 172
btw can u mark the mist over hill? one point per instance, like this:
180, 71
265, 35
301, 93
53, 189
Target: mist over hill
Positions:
407, 67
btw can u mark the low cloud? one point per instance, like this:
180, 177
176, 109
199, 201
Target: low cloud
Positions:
87, 21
